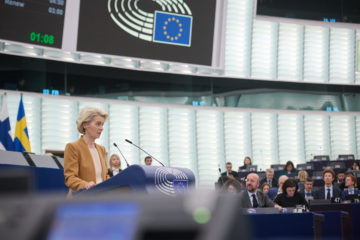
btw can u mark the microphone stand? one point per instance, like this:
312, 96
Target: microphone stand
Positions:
127, 140
122, 154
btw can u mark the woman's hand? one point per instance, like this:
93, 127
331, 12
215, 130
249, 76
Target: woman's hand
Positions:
89, 185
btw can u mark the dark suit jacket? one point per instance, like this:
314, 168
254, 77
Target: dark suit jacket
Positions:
274, 182
320, 193
345, 193
235, 174
302, 193
263, 200
110, 172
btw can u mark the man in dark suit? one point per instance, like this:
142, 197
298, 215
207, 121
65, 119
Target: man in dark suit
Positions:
270, 178
229, 172
252, 197
328, 191
307, 192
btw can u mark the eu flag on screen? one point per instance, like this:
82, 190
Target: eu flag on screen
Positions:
172, 28
21, 139
6, 142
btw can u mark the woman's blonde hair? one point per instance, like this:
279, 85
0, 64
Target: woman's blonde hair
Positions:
303, 175
114, 155
87, 114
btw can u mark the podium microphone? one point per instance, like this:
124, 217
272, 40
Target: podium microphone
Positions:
222, 180
121, 154
127, 140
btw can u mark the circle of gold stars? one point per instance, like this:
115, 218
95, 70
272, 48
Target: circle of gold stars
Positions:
176, 37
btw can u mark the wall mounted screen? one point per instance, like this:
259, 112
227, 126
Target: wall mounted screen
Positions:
343, 11
38, 22
176, 31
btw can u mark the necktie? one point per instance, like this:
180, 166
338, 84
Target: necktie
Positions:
308, 194
255, 203
269, 182
328, 194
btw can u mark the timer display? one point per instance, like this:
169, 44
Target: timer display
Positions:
38, 22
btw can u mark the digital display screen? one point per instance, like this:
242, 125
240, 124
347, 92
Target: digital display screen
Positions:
38, 22
344, 11
106, 221
176, 31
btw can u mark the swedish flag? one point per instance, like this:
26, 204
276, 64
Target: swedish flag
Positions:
21, 139
172, 28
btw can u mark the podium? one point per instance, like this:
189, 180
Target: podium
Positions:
150, 179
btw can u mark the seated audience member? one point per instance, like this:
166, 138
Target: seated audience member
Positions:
307, 192
148, 160
288, 169
247, 162
115, 165
229, 172
252, 198
340, 179
273, 192
270, 178
290, 197
355, 166
329, 190
302, 176
350, 186
282, 179
265, 187
231, 186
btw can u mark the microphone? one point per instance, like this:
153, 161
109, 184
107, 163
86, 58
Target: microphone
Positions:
127, 140
122, 154
222, 180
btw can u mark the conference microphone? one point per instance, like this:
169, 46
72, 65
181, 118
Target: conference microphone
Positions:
127, 140
122, 154
222, 180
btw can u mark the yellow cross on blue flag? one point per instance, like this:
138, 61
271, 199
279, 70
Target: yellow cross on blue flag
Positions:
21, 139
172, 28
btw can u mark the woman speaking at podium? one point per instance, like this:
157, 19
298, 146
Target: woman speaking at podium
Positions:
84, 160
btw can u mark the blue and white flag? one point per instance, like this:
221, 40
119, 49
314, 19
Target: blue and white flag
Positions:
172, 28
6, 141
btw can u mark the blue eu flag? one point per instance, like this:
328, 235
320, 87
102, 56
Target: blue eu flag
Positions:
172, 28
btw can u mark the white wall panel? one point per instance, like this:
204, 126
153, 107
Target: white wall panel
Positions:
316, 54
238, 37
264, 139
264, 50
290, 52
182, 138
210, 146
153, 133
237, 135
291, 138
124, 124
342, 55
58, 126
342, 135
317, 137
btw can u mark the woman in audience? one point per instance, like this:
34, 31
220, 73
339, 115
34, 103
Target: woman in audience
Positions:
265, 187
302, 176
115, 165
247, 162
84, 160
290, 196
350, 186
355, 166
232, 186
289, 169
